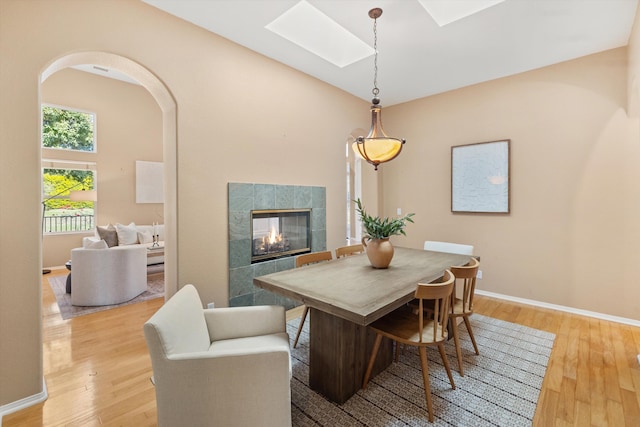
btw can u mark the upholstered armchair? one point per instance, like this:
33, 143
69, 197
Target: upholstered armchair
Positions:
107, 276
221, 366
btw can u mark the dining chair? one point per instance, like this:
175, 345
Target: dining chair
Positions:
463, 307
349, 250
414, 328
452, 248
302, 260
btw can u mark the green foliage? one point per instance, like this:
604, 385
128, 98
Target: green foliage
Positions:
381, 228
64, 181
66, 129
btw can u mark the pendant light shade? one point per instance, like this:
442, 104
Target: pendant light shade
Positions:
84, 195
377, 147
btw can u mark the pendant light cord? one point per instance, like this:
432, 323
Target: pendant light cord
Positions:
375, 90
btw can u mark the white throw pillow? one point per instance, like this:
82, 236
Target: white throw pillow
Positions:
127, 234
100, 244
145, 237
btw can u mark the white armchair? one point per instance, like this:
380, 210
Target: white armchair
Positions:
222, 366
107, 276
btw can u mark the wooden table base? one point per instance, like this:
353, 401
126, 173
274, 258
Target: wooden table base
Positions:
339, 354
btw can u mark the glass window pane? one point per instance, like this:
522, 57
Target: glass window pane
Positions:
68, 129
61, 214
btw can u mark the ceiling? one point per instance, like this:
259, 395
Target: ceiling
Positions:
416, 56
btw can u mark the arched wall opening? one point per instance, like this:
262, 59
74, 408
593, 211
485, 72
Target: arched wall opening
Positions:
633, 102
167, 105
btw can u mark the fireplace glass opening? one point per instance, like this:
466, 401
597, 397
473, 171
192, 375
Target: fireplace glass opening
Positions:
280, 233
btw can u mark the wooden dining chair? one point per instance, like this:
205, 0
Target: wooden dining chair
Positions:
463, 307
349, 250
302, 260
414, 328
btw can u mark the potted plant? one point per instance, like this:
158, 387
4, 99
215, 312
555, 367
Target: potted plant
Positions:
377, 232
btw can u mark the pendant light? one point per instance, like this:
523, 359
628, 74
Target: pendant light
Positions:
377, 147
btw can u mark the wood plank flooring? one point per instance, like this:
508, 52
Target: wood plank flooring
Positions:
97, 367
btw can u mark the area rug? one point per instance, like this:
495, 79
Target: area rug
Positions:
155, 289
500, 386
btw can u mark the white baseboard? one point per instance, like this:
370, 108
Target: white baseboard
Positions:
572, 310
24, 403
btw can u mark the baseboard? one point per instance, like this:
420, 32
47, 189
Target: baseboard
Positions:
24, 403
572, 310
55, 267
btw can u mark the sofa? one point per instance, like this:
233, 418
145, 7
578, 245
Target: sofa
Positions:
221, 366
128, 235
109, 275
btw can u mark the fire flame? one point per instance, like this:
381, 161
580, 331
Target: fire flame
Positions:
273, 237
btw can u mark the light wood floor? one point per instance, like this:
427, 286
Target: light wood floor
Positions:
97, 368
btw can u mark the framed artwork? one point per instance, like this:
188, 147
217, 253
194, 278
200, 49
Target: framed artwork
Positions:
149, 182
480, 177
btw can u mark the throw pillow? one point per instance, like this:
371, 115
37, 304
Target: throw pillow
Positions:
145, 237
100, 244
109, 235
127, 234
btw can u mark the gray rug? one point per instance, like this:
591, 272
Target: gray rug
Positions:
155, 289
500, 387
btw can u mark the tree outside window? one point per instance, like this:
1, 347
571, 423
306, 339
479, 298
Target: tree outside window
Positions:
67, 129
61, 214
71, 130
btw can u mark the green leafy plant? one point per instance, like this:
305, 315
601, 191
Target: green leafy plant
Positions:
71, 130
381, 228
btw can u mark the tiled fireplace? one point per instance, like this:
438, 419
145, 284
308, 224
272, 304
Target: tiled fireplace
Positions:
270, 244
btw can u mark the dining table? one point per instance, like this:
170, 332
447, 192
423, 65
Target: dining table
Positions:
344, 296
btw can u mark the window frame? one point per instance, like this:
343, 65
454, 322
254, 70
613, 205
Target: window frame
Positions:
75, 110
67, 165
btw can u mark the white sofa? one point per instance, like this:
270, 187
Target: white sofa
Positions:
222, 366
108, 276
129, 235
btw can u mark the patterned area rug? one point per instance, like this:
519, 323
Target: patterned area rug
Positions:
500, 387
155, 289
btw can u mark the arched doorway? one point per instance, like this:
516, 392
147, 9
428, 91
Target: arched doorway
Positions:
167, 105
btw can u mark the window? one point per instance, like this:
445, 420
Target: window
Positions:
68, 197
68, 129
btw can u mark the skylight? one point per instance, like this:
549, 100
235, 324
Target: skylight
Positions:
314, 31
447, 11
